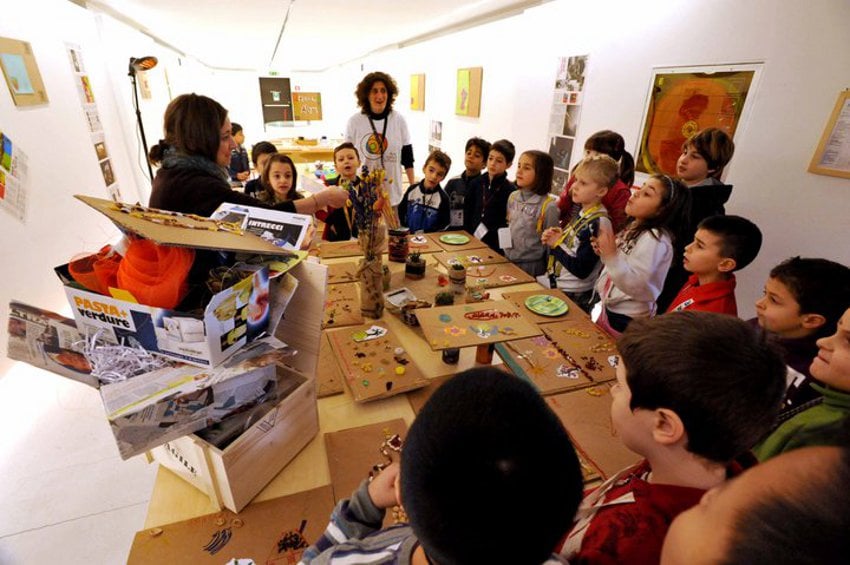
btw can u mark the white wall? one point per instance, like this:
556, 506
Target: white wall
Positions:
805, 48
62, 160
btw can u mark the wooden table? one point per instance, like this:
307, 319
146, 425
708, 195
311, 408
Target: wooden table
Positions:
174, 500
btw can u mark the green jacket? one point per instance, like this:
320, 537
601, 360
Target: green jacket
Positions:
819, 425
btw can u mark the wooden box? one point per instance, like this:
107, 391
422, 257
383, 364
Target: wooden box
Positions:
233, 476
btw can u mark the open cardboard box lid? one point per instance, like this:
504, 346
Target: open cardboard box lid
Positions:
182, 236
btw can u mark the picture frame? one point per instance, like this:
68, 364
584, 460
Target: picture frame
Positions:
832, 156
417, 92
682, 101
468, 97
21, 73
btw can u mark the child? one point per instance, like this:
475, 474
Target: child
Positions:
489, 208
792, 510
722, 245
636, 263
425, 205
531, 210
279, 180
699, 167
339, 225
260, 154
803, 300
239, 169
459, 187
572, 265
694, 391
488, 475
820, 424
612, 144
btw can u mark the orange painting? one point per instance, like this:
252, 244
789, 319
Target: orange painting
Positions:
680, 105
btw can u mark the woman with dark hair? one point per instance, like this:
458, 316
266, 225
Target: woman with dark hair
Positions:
380, 133
194, 157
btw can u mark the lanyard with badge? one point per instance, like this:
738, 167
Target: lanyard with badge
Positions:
570, 233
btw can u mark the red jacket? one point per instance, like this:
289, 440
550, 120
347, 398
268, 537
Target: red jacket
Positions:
712, 297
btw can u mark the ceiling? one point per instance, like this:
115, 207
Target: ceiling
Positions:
317, 34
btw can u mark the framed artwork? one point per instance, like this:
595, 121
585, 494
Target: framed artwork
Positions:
417, 92
684, 100
832, 156
276, 98
468, 99
21, 73
307, 106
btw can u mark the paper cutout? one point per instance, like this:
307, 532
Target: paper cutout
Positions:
374, 332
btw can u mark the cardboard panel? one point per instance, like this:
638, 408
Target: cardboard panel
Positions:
539, 361
519, 298
473, 243
342, 306
424, 243
329, 376
342, 272
480, 323
370, 367
273, 532
495, 276
353, 453
418, 398
301, 325
587, 416
586, 346
201, 234
333, 249
481, 256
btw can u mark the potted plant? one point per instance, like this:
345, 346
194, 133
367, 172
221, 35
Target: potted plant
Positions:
414, 268
445, 298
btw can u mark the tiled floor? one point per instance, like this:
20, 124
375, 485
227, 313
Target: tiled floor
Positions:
65, 494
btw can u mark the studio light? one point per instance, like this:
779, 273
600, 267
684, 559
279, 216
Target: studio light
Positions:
141, 64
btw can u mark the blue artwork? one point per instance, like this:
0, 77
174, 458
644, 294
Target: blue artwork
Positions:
16, 73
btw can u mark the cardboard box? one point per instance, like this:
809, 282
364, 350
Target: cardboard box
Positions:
231, 477
232, 318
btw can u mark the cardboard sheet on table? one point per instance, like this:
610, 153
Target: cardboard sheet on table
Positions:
496, 275
328, 375
473, 243
353, 452
342, 272
342, 306
542, 364
449, 326
589, 346
351, 248
369, 367
519, 298
483, 256
424, 243
586, 414
268, 532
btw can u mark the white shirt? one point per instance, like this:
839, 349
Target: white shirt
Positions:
360, 133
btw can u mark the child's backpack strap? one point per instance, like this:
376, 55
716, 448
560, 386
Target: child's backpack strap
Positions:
546, 202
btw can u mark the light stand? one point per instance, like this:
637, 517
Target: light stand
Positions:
141, 64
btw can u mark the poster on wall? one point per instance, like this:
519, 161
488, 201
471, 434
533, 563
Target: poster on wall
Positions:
276, 99
685, 100
435, 136
89, 106
307, 106
832, 156
417, 92
564, 117
21, 72
13, 176
468, 96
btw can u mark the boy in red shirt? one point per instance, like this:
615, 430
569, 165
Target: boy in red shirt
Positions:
694, 391
722, 245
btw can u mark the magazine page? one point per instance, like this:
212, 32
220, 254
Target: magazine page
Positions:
282, 229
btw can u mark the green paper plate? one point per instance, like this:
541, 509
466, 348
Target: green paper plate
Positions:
454, 238
546, 305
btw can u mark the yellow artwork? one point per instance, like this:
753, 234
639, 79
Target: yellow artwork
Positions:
417, 92
468, 98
